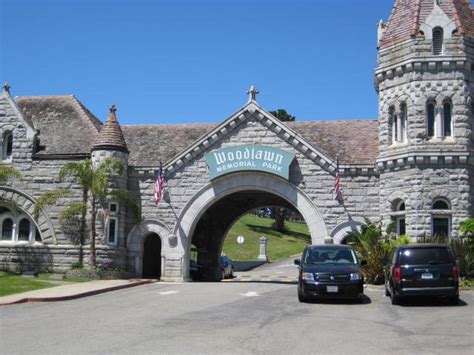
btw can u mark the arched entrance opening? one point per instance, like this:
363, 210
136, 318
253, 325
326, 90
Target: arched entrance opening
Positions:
213, 226
152, 256
212, 210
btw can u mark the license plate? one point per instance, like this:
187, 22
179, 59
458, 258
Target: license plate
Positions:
427, 276
332, 289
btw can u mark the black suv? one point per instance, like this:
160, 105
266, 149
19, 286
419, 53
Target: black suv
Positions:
422, 270
329, 271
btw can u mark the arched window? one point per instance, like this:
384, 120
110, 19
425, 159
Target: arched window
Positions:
447, 113
7, 229
441, 218
398, 216
430, 110
24, 231
438, 35
7, 146
440, 205
17, 228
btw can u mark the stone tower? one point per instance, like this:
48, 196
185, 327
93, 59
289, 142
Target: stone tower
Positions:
424, 79
110, 143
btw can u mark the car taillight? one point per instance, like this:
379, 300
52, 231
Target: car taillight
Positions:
396, 273
455, 273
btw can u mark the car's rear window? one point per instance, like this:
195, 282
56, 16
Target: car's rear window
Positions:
418, 256
330, 255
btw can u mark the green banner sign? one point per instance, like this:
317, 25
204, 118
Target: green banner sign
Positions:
249, 157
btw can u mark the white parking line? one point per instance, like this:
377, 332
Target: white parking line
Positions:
168, 293
250, 294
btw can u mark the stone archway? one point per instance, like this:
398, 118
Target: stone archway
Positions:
136, 245
339, 233
239, 182
152, 256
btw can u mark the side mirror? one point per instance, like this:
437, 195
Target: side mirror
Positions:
363, 263
297, 262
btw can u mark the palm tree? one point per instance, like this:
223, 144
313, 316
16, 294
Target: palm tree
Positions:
7, 173
95, 184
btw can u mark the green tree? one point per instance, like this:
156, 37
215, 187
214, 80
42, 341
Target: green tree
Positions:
96, 189
279, 213
282, 115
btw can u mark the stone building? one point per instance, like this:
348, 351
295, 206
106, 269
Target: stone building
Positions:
413, 166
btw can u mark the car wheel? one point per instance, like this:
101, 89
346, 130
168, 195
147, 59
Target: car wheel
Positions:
454, 300
394, 298
301, 297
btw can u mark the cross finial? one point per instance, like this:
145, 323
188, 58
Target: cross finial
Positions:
252, 92
6, 87
112, 116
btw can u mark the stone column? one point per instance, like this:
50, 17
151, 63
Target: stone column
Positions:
263, 249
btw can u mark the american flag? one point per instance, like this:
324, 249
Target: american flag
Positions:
337, 182
159, 185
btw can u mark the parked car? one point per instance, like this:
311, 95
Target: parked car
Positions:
227, 267
422, 270
329, 271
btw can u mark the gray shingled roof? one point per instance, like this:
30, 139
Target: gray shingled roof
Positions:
150, 143
356, 142
65, 125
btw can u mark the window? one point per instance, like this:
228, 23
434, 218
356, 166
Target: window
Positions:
7, 146
391, 125
403, 123
438, 40
17, 228
24, 230
400, 220
7, 229
447, 119
430, 109
112, 231
112, 225
441, 219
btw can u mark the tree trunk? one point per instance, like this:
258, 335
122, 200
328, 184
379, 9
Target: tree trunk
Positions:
93, 233
280, 216
82, 240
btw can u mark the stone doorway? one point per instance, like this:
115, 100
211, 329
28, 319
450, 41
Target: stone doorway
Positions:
152, 256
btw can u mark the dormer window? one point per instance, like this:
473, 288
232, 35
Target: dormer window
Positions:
438, 40
7, 146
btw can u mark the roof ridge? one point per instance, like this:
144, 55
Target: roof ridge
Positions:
84, 115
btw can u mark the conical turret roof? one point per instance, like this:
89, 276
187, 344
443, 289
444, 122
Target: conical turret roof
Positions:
111, 136
408, 15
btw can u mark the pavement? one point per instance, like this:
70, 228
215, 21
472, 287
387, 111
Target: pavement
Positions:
72, 291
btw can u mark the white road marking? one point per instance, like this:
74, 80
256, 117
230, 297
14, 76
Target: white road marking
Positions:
250, 294
168, 292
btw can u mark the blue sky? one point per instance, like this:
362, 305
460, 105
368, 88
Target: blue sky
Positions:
191, 61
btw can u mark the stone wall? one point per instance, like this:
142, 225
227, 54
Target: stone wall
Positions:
55, 258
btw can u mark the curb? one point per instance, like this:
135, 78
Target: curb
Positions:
78, 295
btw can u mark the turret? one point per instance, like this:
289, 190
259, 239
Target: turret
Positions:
110, 143
425, 85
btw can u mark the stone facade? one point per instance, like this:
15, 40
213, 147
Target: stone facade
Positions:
407, 167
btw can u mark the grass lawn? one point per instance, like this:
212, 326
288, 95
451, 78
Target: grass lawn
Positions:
279, 245
13, 283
